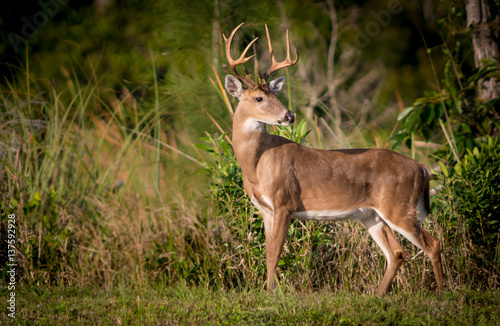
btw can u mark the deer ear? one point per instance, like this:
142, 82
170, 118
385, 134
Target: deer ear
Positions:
276, 85
233, 86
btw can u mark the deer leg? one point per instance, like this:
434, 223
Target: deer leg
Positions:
391, 248
276, 232
432, 248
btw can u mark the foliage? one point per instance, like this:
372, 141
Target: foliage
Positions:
67, 174
297, 134
467, 197
470, 195
240, 236
453, 113
469, 116
226, 192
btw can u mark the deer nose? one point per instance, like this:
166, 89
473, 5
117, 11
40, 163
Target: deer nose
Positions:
290, 117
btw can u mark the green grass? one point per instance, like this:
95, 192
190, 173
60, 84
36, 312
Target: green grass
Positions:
181, 305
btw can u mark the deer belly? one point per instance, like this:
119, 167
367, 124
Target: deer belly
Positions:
332, 215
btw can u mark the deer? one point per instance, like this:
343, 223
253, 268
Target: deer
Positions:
284, 180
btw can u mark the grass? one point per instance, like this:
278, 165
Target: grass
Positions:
181, 305
79, 179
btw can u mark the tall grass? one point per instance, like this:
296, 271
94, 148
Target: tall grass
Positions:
93, 194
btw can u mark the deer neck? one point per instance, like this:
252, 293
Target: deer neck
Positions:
250, 140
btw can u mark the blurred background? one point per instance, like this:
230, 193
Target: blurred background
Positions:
371, 53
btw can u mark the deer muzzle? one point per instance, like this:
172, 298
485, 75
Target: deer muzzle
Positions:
289, 118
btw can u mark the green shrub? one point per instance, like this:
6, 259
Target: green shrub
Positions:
469, 117
468, 205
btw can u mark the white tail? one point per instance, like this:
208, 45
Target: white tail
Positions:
380, 188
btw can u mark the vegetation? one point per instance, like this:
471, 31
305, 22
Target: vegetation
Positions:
181, 305
116, 160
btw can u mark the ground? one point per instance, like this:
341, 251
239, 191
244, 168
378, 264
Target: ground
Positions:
182, 305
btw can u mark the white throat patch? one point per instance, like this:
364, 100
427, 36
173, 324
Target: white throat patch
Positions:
252, 124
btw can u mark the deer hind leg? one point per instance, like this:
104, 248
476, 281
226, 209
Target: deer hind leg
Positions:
391, 248
430, 245
276, 226
433, 251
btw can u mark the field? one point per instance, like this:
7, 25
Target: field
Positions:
180, 305
121, 201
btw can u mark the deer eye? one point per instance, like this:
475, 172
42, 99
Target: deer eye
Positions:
259, 99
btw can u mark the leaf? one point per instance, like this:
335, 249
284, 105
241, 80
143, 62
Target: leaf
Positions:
36, 200
426, 133
204, 147
302, 128
444, 169
398, 139
432, 113
410, 122
403, 114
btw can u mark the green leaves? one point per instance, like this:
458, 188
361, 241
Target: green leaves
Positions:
225, 172
472, 195
422, 118
456, 104
444, 169
297, 135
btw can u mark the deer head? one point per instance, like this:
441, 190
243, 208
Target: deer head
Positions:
259, 100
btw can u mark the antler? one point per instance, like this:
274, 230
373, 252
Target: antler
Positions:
275, 66
247, 80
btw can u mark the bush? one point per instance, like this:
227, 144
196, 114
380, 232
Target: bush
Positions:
469, 203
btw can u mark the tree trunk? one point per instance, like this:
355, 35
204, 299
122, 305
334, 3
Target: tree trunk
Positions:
484, 43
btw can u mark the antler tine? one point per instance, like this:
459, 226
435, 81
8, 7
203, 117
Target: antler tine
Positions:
247, 80
275, 65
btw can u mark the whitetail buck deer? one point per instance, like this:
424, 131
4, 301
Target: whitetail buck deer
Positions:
380, 188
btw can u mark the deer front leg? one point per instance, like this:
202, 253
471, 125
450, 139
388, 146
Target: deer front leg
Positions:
276, 226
